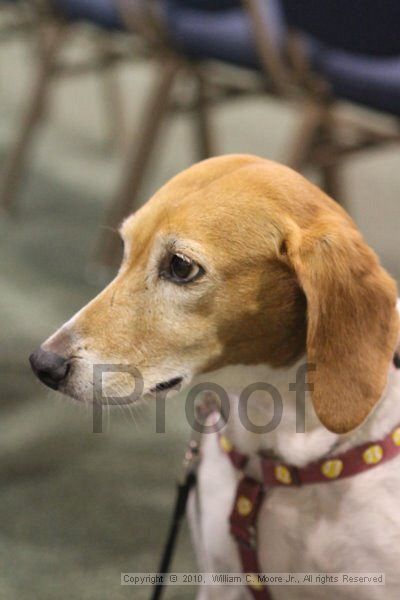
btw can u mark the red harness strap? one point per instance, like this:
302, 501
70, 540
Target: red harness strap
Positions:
250, 493
243, 522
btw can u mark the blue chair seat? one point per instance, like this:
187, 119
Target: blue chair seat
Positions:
371, 81
221, 35
103, 13
227, 35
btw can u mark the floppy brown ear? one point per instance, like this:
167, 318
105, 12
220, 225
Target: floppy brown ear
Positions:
352, 319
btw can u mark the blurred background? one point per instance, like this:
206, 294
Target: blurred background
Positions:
102, 101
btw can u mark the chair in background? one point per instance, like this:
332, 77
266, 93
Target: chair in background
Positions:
309, 51
56, 21
198, 41
342, 50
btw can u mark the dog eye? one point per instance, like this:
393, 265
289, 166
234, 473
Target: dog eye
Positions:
182, 269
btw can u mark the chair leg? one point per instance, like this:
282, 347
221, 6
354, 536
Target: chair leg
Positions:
112, 99
126, 198
306, 137
331, 182
51, 37
204, 138
317, 126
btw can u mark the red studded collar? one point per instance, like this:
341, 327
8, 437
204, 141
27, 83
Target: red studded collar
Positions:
353, 461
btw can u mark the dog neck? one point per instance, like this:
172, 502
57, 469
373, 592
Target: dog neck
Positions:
288, 428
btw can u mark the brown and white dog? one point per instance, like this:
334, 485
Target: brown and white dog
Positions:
234, 272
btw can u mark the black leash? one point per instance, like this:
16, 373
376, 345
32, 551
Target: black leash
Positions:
182, 495
190, 463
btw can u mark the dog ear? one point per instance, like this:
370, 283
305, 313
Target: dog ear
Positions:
352, 321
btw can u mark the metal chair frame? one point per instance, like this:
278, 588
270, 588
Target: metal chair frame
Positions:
51, 34
211, 88
324, 139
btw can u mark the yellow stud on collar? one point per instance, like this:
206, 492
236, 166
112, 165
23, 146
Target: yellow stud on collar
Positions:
332, 468
396, 436
244, 506
373, 454
225, 444
282, 474
252, 581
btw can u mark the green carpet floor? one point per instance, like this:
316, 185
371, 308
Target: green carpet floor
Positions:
77, 508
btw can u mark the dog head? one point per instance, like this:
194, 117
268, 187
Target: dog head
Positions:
237, 260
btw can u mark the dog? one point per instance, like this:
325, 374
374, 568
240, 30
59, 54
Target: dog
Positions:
240, 271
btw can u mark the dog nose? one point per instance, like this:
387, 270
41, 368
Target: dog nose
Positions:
49, 367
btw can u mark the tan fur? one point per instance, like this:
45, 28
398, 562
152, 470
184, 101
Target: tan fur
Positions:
286, 271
